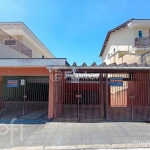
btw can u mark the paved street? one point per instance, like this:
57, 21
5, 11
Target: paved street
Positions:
72, 134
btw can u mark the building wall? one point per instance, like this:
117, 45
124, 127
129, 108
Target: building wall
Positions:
131, 58
122, 40
24, 71
41, 46
36, 52
145, 32
128, 58
23, 34
7, 52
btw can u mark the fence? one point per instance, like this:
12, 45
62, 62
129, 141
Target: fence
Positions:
111, 96
24, 97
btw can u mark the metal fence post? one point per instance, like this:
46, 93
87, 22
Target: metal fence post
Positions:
101, 94
107, 96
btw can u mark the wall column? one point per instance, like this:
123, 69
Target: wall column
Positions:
51, 96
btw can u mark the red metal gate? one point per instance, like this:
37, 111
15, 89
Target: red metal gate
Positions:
119, 102
141, 97
80, 100
95, 99
129, 102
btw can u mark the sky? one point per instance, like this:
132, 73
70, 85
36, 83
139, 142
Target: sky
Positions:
73, 29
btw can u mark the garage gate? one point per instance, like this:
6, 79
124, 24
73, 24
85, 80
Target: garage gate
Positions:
24, 97
107, 96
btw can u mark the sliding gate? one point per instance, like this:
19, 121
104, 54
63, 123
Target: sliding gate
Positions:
24, 97
79, 98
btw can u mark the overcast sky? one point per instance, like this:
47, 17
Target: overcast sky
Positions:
73, 29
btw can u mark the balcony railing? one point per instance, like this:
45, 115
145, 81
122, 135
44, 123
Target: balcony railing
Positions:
11, 42
142, 42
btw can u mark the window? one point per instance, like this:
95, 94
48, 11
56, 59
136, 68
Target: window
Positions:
140, 34
10, 42
114, 50
42, 57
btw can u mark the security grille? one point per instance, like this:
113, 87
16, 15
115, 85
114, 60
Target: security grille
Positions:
79, 100
24, 97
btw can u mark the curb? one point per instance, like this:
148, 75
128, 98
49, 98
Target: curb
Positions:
96, 146
100, 146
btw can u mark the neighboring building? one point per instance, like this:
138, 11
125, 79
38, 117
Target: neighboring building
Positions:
127, 42
21, 41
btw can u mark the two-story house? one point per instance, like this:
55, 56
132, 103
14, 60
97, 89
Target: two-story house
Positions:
18, 41
127, 42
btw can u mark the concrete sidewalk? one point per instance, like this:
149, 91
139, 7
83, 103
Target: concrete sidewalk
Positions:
55, 135
88, 147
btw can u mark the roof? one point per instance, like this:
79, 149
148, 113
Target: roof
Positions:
113, 30
104, 66
32, 62
111, 65
29, 33
61, 63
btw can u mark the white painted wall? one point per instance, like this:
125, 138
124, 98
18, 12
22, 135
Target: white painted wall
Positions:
22, 33
40, 47
7, 52
36, 52
32, 62
127, 58
122, 40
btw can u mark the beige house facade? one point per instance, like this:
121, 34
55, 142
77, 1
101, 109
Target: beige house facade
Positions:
125, 57
18, 36
127, 42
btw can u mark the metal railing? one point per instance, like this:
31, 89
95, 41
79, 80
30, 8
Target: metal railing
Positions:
11, 42
142, 42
